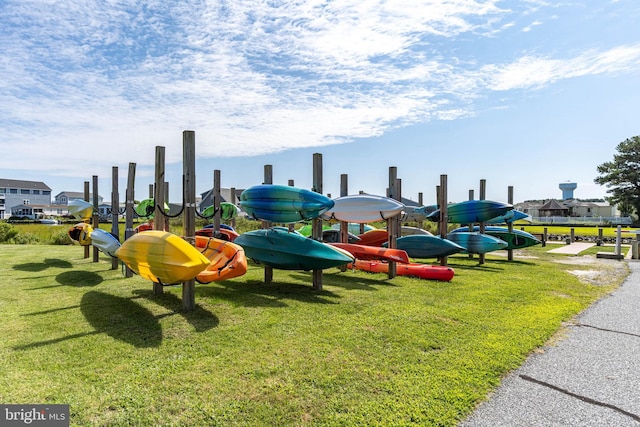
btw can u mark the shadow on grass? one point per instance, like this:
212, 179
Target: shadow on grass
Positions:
489, 266
79, 278
41, 266
121, 319
54, 341
350, 281
254, 293
201, 319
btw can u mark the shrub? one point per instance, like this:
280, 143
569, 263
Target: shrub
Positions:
7, 232
25, 239
61, 238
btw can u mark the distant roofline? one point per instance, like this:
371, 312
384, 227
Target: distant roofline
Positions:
18, 183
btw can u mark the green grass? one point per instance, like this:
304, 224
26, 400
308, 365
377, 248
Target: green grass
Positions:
365, 350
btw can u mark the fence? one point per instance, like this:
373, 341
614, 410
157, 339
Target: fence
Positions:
579, 220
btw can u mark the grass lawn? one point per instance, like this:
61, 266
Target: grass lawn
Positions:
364, 351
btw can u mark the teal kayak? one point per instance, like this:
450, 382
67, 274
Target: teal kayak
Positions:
280, 249
516, 239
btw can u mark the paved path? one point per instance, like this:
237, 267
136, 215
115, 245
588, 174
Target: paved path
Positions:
572, 249
591, 377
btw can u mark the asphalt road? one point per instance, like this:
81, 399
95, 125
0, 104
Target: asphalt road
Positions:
591, 377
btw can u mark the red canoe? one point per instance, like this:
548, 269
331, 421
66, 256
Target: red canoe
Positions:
373, 253
423, 271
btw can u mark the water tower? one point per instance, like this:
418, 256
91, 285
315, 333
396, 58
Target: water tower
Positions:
567, 189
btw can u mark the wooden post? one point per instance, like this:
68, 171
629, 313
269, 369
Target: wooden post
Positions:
545, 235
483, 195
216, 202
510, 223
189, 215
393, 222
166, 199
317, 222
600, 236
470, 226
420, 203
96, 219
444, 217
86, 199
344, 226
268, 179
128, 226
232, 199
291, 227
115, 211
158, 201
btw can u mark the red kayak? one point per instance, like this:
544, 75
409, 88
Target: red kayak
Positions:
373, 237
422, 271
373, 253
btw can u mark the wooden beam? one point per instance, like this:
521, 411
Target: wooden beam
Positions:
86, 199
444, 217
483, 195
115, 211
268, 179
510, 224
158, 201
317, 222
129, 202
96, 220
189, 215
393, 223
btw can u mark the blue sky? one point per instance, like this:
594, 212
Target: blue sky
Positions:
526, 94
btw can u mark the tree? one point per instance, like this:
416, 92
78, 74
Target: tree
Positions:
622, 175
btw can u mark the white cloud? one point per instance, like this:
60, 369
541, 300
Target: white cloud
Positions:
535, 72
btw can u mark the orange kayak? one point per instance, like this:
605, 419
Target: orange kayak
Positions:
422, 271
373, 237
225, 234
373, 253
227, 259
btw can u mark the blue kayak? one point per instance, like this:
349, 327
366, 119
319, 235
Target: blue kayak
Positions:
283, 204
476, 243
472, 211
426, 246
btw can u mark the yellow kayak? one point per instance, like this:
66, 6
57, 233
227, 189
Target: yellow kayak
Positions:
162, 257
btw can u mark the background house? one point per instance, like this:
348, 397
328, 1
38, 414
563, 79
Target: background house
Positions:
18, 193
64, 197
571, 210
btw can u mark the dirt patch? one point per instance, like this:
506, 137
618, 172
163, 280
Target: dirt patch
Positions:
601, 272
